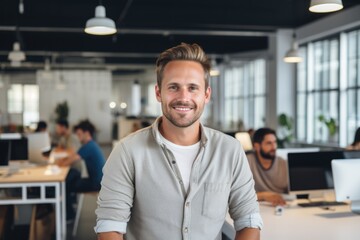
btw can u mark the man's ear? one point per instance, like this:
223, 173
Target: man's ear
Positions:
157, 93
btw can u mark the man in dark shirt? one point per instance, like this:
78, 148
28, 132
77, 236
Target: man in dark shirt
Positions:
94, 160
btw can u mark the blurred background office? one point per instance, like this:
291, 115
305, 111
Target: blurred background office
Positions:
50, 69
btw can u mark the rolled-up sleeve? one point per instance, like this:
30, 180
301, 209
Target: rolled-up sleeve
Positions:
117, 191
250, 221
110, 226
243, 204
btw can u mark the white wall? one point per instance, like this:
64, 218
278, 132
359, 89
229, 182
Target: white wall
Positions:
88, 94
123, 87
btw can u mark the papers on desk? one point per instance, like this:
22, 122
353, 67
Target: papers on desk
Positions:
52, 170
57, 155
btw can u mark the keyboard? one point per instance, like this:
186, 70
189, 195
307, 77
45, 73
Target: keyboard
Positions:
321, 204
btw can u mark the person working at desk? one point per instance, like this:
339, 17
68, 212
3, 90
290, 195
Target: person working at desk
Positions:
41, 126
177, 178
94, 159
270, 171
67, 142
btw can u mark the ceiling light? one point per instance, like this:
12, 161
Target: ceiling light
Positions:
214, 71
16, 55
293, 55
47, 66
100, 24
323, 6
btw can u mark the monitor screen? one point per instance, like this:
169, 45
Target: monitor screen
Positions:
17, 148
311, 171
4, 152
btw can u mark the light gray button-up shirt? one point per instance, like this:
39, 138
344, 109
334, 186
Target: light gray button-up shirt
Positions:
143, 196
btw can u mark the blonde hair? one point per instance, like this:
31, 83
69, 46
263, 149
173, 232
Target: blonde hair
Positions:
184, 51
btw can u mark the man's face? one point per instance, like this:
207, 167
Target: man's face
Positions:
182, 93
267, 148
81, 135
60, 130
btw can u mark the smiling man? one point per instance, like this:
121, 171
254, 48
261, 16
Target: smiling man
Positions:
176, 179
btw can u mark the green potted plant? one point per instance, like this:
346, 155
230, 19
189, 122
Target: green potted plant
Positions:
330, 123
62, 111
285, 133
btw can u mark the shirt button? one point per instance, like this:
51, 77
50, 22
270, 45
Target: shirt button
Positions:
181, 182
185, 230
187, 204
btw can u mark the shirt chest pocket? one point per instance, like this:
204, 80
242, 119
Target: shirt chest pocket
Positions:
215, 200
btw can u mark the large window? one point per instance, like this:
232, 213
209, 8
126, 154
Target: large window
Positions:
353, 88
23, 100
328, 85
245, 92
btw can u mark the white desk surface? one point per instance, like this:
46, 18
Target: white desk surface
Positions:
299, 223
33, 174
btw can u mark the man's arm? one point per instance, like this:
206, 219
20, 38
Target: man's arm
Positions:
68, 160
271, 197
248, 234
110, 236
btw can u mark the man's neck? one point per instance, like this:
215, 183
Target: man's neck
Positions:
181, 136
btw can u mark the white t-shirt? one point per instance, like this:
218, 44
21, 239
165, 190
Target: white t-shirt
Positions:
185, 156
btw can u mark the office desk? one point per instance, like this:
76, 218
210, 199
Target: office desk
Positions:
298, 223
34, 177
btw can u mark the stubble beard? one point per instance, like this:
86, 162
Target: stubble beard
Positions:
180, 120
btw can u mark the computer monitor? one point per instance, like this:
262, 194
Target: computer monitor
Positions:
4, 152
38, 143
346, 173
17, 148
310, 173
283, 152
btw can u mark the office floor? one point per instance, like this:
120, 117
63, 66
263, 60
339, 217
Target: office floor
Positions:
87, 220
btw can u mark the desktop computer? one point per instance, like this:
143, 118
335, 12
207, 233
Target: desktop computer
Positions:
347, 181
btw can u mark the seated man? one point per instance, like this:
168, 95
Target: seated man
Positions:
269, 171
94, 160
67, 142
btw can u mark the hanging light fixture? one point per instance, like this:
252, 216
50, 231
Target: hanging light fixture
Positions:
293, 55
324, 6
100, 24
16, 55
214, 71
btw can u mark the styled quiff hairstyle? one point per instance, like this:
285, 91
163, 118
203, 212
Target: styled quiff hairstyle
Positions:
187, 52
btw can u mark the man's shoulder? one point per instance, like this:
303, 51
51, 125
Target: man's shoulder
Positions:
137, 137
217, 135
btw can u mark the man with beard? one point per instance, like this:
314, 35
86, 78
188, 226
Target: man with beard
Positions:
269, 171
176, 179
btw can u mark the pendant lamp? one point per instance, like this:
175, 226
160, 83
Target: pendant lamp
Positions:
100, 24
324, 6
